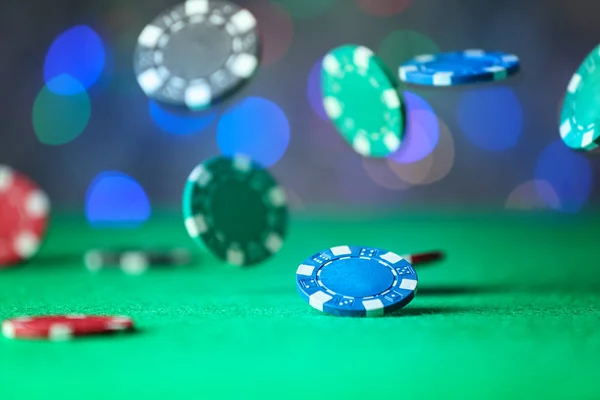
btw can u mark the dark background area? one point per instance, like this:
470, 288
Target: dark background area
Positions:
550, 36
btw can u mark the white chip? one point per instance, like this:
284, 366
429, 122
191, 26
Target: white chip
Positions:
242, 162
8, 329
318, 299
134, 262
408, 284
392, 258
150, 36
6, 177
304, 269
60, 332
26, 244
196, 226
274, 243
277, 197
198, 95
374, 308
93, 261
333, 108
243, 65
37, 204
243, 21
196, 7
235, 257
340, 250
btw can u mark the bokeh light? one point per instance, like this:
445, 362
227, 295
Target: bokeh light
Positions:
422, 130
433, 168
115, 199
379, 171
415, 173
384, 8
183, 123
59, 119
568, 172
276, 30
491, 118
400, 46
255, 127
79, 53
530, 195
305, 9
313, 90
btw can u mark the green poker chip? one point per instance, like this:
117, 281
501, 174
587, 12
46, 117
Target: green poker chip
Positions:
580, 117
235, 209
361, 98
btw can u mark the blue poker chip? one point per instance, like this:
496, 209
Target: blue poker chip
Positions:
356, 281
469, 66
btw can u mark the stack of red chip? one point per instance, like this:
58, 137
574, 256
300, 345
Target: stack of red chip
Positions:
63, 327
24, 212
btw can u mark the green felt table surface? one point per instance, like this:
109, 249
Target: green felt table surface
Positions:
513, 312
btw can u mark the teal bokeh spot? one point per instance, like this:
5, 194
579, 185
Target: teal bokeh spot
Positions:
59, 119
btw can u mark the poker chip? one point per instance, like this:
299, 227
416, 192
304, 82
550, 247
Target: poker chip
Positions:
24, 213
456, 68
361, 98
580, 116
356, 281
236, 209
135, 261
197, 53
427, 257
63, 327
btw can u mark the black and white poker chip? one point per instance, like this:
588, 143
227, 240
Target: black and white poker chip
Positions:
197, 53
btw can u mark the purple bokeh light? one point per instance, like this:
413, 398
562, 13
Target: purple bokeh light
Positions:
569, 173
422, 131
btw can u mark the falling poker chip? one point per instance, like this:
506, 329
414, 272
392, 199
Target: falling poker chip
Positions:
196, 53
236, 209
355, 281
460, 67
361, 98
24, 213
580, 115
63, 327
427, 257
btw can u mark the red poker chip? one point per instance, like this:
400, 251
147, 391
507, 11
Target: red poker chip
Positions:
24, 212
424, 258
63, 327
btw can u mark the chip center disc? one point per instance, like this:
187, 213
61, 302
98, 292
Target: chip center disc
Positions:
357, 277
197, 51
367, 109
238, 211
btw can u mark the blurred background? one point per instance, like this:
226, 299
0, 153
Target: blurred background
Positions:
75, 120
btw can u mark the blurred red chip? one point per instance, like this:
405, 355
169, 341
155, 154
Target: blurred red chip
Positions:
63, 327
424, 258
24, 212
